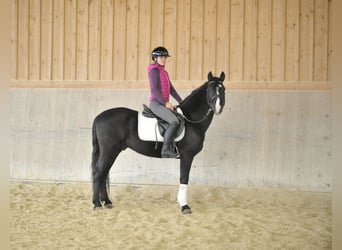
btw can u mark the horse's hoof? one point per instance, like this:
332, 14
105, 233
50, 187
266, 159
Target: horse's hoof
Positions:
186, 209
109, 205
97, 208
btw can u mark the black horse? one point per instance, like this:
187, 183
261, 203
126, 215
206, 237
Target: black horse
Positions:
116, 129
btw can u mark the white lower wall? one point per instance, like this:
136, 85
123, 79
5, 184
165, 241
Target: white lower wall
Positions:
263, 138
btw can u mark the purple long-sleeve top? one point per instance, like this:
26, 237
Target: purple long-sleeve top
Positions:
160, 85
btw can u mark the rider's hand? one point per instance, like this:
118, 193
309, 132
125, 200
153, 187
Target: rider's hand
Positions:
169, 105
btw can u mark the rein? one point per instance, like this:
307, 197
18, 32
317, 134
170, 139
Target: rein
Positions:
195, 121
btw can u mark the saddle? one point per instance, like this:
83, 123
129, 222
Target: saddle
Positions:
152, 128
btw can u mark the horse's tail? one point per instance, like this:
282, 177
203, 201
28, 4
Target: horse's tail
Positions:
96, 150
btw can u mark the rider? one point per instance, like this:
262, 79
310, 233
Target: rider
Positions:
161, 88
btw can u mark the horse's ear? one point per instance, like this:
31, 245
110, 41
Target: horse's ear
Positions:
222, 76
210, 75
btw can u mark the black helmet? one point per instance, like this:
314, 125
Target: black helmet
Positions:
159, 51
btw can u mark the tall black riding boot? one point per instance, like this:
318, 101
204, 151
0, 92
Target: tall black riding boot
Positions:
168, 149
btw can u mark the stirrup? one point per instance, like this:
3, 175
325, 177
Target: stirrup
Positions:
174, 155
172, 152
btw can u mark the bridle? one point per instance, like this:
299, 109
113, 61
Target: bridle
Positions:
209, 101
213, 98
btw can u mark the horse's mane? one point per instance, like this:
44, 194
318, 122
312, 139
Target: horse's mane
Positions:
194, 93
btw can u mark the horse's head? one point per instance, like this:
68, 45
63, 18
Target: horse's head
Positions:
216, 93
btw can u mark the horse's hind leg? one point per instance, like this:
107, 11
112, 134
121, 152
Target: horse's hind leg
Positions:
104, 188
100, 173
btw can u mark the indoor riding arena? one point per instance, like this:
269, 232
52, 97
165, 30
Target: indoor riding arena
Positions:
263, 179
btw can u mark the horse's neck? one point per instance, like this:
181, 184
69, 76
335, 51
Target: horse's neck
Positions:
196, 108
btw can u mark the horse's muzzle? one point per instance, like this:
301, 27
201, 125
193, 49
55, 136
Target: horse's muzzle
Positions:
217, 108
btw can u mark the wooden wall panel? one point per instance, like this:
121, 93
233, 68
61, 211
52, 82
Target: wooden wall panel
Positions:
70, 17
34, 40
14, 39
182, 57
250, 40
321, 40
119, 40
58, 35
278, 40
209, 37
264, 40
236, 40
306, 40
330, 40
106, 40
23, 34
157, 21
170, 29
256, 42
292, 41
94, 40
144, 39
222, 36
132, 40
82, 40
196, 41
46, 40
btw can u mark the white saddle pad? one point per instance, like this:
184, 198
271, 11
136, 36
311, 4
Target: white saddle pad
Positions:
148, 129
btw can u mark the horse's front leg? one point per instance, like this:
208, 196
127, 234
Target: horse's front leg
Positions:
185, 166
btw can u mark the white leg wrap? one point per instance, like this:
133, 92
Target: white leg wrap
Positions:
181, 197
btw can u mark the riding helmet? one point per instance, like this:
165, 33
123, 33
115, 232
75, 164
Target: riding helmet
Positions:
159, 51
